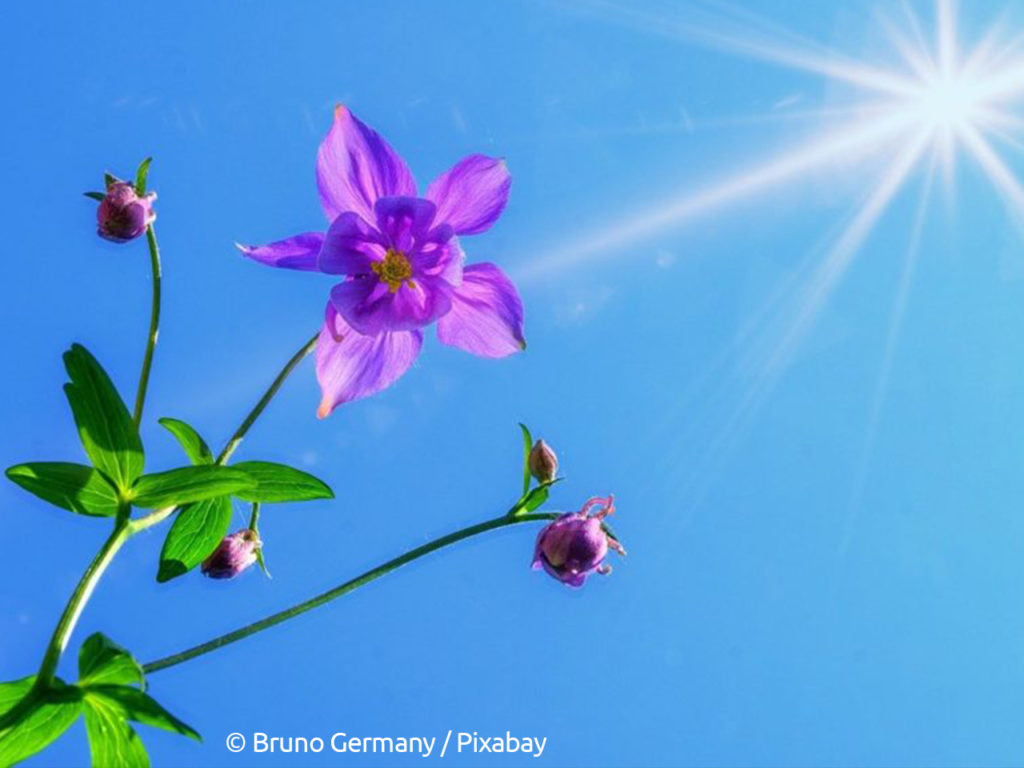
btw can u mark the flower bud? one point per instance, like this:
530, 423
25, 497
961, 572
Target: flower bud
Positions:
574, 545
543, 462
233, 555
122, 214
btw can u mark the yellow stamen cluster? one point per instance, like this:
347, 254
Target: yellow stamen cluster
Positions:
394, 270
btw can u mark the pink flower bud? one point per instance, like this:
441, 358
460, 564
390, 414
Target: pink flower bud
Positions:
573, 546
543, 462
235, 554
122, 214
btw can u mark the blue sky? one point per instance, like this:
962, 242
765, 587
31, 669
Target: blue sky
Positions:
825, 547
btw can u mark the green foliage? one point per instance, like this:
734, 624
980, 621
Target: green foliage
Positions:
98, 196
113, 743
196, 532
527, 446
200, 527
107, 675
141, 175
133, 704
101, 660
533, 499
13, 692
75, 487
107, 694
196, 449
104, 424
188, 484
278, 482
40, 717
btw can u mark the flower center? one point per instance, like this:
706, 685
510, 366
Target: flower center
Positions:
394, 270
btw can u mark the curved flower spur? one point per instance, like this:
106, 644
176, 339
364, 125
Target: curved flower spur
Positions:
402, 261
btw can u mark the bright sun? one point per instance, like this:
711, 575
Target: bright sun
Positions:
947, 103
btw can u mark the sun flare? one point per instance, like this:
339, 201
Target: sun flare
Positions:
939, 95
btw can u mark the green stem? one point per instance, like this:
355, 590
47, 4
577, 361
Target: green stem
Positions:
265, 400
342, 589
81, 595
254, 518
154, 326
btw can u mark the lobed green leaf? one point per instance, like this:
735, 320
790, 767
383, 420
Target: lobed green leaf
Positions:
14, 691
278, 482
41, 722
75, 487
188, 484
105, 427
196, 532
133, 704
196, 449
113, 743
101, 660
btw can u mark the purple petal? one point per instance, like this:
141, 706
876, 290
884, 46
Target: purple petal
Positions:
355, 167
444, 260
298, 252
404, 221
486, 317
471, 196
359, 366
369, 306
349, 246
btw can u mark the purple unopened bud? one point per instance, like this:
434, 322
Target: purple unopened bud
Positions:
235, 554
123, 215
543, 462
573, 546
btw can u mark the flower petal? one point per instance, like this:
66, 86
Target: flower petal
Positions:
404, 221
369, 306
349, 246
298, 252
355, 167
486, 317
444, 260
471, 196
359, 366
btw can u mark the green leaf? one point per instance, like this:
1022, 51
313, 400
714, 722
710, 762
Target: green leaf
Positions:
109, 179
278, 482
262, 563
534, 498
196, 449
187, 484
95, 196
13, 692
133, 704
141, 175
41, 723
196, 532
113, 743
75, 487
104, 424
101, 660
527, 447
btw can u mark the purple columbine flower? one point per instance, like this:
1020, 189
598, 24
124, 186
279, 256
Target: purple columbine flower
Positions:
574, 545
233, 555
402, 262
122, 214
